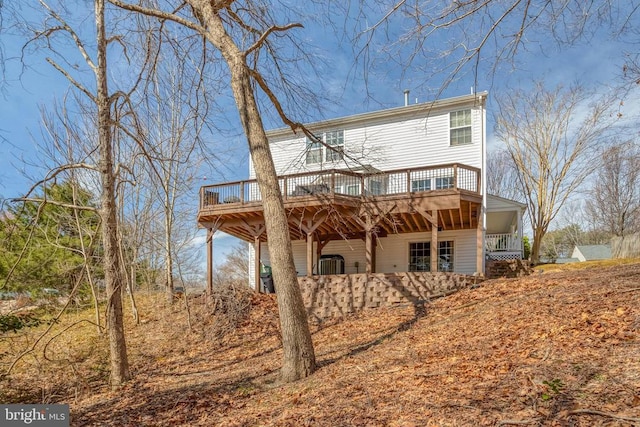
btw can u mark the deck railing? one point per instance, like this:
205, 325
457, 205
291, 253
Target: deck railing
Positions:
505, 242
347, 183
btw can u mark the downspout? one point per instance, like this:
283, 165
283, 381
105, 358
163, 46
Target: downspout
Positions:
483, 182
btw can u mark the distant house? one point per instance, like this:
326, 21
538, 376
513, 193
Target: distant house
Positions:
591, 252
395, 191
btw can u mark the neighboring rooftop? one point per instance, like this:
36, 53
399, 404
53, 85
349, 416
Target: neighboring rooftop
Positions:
591, 252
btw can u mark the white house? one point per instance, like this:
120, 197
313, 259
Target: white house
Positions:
379, 192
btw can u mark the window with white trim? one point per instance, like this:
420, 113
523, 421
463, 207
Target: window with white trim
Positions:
444, 183
353, 190
331, 148
335, 145
314, 150
420, 185
460, 127
420, 256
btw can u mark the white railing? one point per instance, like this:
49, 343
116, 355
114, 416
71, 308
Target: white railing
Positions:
505, 242
346, 183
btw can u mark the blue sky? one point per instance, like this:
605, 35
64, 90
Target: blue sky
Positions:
596, 63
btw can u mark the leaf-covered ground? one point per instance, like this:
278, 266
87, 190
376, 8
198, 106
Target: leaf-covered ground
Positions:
552, 349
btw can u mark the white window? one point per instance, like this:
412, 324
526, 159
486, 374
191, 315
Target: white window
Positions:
420, 185
329, 150
460, 127
335, 145
353, 190
375, 187
444, 183
314, 150
420, 256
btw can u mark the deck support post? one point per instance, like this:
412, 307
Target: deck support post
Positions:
480, 244
434, 241
256, 231
256, 267
369, 251
309, 227
309, 254
209, 243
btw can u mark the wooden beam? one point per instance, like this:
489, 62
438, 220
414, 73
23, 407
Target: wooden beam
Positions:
369, 252
309, 254
210, 232
431, 217
434, 243
444, 223
256, 267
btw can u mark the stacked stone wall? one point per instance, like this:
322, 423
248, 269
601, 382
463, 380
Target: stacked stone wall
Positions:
509, 268
338, 295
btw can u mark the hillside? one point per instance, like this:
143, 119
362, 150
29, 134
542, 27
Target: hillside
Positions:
553, 349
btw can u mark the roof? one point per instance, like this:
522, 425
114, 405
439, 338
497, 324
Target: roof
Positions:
406, 110
507, 202
594, 252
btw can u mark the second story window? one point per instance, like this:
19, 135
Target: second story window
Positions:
314, 150
335, 145
330, 151
460, 127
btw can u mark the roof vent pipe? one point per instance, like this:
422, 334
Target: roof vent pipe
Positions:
406, 97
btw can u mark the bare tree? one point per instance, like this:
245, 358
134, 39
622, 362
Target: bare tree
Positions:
551, 137
235, 268
445, 40
501, 175
108, 209
173, 129
614, 200
240, 32
102, 101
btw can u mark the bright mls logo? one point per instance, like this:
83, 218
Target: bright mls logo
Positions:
34, 415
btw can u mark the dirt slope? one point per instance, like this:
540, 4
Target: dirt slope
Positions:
552, 349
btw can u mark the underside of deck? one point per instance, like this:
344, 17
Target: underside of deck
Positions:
344, 217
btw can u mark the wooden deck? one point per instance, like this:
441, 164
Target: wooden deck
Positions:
338, 204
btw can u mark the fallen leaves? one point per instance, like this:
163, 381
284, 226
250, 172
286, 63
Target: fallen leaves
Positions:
483, 356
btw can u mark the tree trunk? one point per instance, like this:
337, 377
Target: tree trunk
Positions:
168, 256
112, 271
299, 357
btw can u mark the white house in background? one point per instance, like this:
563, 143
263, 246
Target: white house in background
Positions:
591, 252
389, 191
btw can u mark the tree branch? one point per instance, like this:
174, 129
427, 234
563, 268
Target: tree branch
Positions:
266, 34
71, 79
160, 14
53, 202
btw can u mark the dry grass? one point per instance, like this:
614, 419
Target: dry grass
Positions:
559, 348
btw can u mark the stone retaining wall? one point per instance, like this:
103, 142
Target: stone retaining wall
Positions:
337, 295
507, 268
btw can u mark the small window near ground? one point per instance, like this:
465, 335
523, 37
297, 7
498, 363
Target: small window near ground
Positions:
420, 256
460, 127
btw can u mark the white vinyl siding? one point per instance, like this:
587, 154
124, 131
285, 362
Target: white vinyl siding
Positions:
392, 254
389, 145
